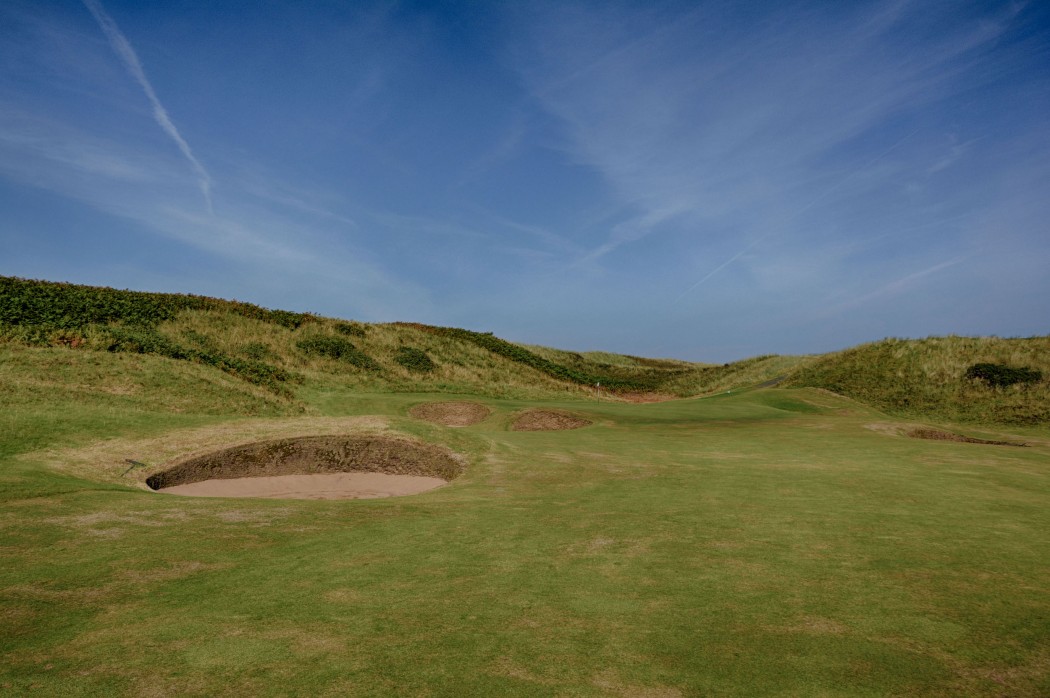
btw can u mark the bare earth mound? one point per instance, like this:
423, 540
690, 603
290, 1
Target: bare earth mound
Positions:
451, 414
310, 456
322, 486
547, 420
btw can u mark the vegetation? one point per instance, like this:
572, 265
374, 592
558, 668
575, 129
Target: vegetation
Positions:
415, 359
351, 329
606, 374
1001, 376
780, 541
61, 306
931, 378
337, 348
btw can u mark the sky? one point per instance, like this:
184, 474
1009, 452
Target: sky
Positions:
700, 180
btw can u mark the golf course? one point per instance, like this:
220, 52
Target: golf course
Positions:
496, 519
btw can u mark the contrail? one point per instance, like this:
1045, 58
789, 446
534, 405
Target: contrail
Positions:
799, 212
122, 47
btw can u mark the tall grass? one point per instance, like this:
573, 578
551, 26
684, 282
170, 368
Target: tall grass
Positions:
929, 377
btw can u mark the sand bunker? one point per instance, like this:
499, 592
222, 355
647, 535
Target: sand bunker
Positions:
938, 435
323, 486
547, 420
451, 414
303, 468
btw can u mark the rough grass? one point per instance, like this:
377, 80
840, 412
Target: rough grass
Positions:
280, 350
927, 377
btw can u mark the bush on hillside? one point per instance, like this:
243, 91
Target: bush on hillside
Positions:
138, 340
337, 348
415, 359
350, 329
67, 306
1001, 375
257, 351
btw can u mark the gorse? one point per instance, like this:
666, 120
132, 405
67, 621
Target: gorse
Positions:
1001, 376
337, 348
414, 359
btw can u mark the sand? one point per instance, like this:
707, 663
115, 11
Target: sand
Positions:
451, 414
316, 486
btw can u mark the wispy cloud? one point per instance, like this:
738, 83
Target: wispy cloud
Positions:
894, 287
725, 131
122, 47
813, 202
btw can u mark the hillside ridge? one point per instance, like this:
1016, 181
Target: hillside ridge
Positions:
282, 352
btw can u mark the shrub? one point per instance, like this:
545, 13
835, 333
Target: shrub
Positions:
1001, 375
257, 351
337, 348
69, 306
414, 359
350, 329
139, 340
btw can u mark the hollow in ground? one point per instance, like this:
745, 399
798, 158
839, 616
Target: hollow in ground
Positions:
304, 467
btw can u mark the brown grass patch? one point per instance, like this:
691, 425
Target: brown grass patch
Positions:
547, 420
611, 684
645, 398
451, 414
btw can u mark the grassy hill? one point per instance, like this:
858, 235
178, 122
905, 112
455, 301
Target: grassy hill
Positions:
928, 378
279, 354
279, 350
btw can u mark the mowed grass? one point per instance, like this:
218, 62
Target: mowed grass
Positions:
776, 542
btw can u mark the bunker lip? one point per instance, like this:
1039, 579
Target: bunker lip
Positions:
938, 435
451, 413
315, 455
547, 420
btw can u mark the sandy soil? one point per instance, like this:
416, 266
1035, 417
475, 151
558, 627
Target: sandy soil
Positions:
547, 420
938, 435
318, 486
451, 414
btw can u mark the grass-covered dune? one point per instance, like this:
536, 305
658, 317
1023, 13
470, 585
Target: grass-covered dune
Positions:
765, 541
929, 378
278, 350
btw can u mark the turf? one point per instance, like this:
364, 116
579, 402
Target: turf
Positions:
768, 542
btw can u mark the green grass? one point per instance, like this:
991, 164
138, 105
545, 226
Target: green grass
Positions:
765, 543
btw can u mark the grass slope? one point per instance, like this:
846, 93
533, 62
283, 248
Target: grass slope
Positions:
278, 350
927, 378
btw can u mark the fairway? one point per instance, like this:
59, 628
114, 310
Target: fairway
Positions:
767, 542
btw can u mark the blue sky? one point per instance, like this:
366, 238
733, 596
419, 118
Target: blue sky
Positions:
704, 180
